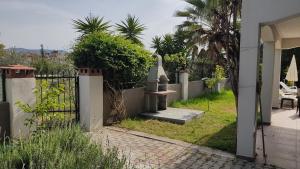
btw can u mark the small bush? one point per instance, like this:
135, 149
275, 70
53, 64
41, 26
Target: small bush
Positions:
40, 118
58, 149
219, 75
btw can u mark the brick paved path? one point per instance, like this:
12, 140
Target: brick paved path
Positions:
148, 151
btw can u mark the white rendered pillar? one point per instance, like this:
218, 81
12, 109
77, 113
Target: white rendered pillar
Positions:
20, 85
267, 80
184, 81
91, 99
247, 101
276, 80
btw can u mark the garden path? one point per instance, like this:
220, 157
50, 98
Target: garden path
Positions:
149, 151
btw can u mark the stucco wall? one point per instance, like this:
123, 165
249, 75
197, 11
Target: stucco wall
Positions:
196, 88
134, 102
4, 120
174, 96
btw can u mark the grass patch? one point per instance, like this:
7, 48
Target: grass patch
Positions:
216, 128
58, 149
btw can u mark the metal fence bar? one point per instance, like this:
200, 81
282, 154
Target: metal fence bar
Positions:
77, 97
68, 100
3, 87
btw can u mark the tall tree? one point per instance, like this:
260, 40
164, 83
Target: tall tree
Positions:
172, 48
131, 29
2, 50
91, 24
170, 44
215, 24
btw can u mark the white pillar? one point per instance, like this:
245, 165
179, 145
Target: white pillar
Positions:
184, 81
20, 85
247, 101
276, 80
91, 99
267, 80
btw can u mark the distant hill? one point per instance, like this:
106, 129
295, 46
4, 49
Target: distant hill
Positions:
34, 51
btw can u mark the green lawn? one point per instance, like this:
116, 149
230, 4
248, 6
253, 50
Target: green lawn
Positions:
216, 128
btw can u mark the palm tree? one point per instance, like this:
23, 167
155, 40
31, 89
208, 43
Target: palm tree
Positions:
131, 29
215, 24
157, 44
91, 24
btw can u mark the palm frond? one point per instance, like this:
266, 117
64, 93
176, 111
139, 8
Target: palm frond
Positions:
131, 29
91, 24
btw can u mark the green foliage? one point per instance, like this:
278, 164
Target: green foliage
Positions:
131, 29
170, 43
211, 82
91, 24
48, 65
219, 75
42, 65
176, 61
215, 129
41, 108
59, 149
216, 25
172, 49
11, 57
2, 50
120, 60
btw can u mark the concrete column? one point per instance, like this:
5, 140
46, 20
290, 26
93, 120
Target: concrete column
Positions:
276, 80
267, 80
91, 99
247, 101
20, 85
184, 81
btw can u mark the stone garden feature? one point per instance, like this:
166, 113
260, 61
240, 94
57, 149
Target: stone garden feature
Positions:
157, 87
156, 97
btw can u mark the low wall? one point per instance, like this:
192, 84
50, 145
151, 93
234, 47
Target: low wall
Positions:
134, 102
135, 98
4, 120
196, 88
174, 96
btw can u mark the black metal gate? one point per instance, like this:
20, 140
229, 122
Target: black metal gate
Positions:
65, 87
2, 87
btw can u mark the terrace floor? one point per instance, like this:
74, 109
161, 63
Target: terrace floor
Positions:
282, 140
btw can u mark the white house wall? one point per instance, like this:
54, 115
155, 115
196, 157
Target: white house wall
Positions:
255, 13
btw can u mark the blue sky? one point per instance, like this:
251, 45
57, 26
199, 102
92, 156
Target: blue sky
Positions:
29, 23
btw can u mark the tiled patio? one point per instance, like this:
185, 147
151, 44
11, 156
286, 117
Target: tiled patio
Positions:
282, 140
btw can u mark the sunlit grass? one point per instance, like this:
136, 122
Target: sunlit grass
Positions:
216, 128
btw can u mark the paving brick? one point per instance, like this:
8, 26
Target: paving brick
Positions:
147, 151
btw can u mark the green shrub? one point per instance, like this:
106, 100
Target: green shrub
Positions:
40, 118
66, 148
120, 60
219, 75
